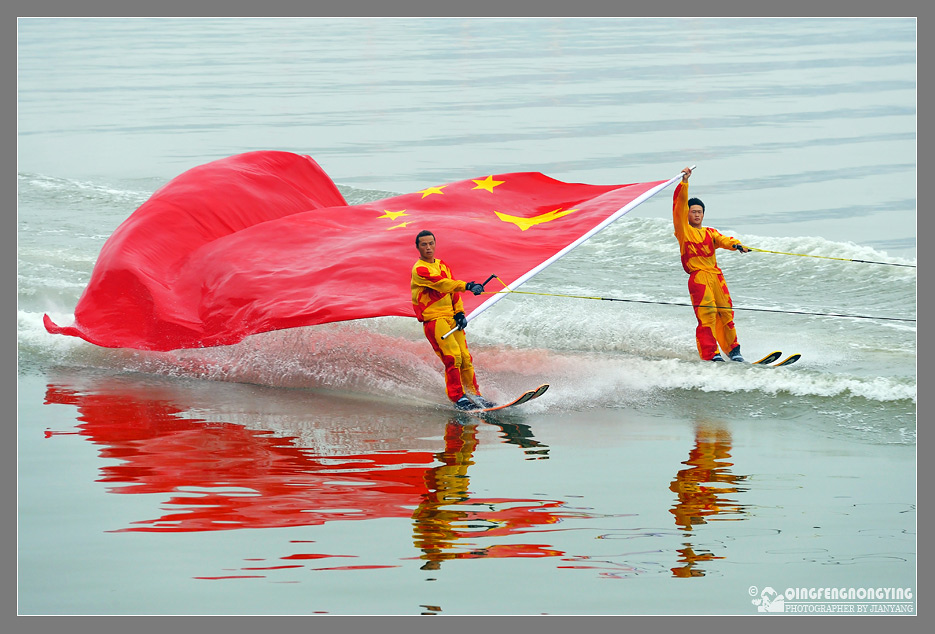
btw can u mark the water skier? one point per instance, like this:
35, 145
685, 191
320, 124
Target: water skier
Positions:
436, 300
706, 284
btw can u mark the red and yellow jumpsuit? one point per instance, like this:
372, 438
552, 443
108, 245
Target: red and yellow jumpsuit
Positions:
706, 285
436, 297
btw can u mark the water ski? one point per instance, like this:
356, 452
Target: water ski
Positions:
773, 356
792, 358
523, 398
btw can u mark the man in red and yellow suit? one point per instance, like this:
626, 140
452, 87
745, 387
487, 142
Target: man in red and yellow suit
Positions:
706, 285
436, 300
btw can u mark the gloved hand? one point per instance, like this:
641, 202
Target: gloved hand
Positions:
461, 320
741, 248
474, 287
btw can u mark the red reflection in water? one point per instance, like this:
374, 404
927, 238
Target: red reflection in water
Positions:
278, 484
448, 519
225, 476
700, 490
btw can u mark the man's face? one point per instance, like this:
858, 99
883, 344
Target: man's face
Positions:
695, 215
426, 248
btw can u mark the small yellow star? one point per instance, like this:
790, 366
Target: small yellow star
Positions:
488, 183
400, 226
392, 215
428, 191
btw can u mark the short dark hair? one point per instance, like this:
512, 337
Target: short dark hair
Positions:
422, 234
696, 201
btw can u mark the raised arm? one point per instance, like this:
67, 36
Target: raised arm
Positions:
680, 206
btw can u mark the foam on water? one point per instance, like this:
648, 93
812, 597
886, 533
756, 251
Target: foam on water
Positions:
388, 357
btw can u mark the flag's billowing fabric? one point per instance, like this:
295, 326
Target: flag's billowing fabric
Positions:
265, 241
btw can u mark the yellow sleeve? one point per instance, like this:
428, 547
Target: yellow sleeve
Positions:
422, 275
724, 242
680, 211
458, 305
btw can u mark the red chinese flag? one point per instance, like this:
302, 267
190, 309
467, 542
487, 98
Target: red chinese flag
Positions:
264, 241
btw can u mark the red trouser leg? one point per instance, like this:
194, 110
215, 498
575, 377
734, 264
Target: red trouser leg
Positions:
724, 329
713, 309
453, 352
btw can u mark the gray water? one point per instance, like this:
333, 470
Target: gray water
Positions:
804, 137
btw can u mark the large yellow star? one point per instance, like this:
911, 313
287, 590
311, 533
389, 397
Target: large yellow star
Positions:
526, 223
392, 215
428, 191
488, 183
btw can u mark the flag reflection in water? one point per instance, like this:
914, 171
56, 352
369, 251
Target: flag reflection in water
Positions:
228, 476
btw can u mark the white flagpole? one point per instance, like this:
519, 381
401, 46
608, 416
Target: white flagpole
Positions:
603, 225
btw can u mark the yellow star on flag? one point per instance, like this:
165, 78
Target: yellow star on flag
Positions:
428, 191
392, 215
526, 223
488, 183
400, 226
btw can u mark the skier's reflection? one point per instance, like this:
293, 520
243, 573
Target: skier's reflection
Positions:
701, 489
449, 517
